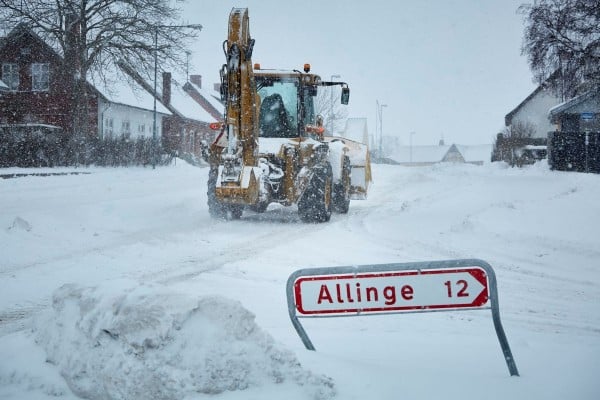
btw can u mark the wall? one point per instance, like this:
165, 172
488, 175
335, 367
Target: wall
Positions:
535, 111
44, 107
184, 135
136, 117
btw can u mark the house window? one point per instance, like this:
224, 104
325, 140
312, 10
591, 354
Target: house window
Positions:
10, 75
40, 77
125, 128
108, 127
141, 129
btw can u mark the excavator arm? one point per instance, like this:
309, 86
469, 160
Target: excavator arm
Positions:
237, 145
241, 121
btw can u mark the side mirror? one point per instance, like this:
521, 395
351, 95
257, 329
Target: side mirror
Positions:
345, 95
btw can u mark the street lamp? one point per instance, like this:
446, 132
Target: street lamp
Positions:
187, 65
381, 129
331, 111
410, 140
197, 27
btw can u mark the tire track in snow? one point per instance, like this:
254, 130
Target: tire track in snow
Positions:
276, 228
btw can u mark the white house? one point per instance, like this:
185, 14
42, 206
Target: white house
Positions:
429, 155
123, 111
533, 111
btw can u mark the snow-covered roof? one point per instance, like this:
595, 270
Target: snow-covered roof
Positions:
24, 28
419, 153
210, 96
474, 153
433, 154
576, 101
122, 93
186, 105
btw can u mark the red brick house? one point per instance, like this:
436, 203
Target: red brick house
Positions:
187, 129
37, 86
203, 97
35, 92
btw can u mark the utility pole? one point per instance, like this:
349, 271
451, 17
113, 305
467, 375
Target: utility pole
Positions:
187, 65
410, 140
331, 110
381, 129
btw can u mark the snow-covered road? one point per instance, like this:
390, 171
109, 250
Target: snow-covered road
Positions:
537, 228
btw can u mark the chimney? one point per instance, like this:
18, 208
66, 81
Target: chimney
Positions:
166, 89
196, 80
217, 87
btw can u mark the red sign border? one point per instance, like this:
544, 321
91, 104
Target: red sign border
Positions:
476, 272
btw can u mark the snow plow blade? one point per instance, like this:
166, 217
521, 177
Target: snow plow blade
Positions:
358, 153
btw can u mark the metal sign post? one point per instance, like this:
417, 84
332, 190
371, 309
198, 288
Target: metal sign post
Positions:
396, 288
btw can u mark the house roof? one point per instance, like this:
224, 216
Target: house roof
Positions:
119, 93
419, 154
22, 29
186, 105
181, 103
434, 154
473, 153
209, 96
124, 94
569, 105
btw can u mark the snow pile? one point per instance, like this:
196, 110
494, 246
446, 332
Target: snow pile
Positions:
20, 224
144, 342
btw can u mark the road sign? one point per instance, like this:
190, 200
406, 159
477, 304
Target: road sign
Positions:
587, 116
391, 291
395, 288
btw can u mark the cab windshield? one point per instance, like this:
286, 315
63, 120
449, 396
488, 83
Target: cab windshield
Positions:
279, 107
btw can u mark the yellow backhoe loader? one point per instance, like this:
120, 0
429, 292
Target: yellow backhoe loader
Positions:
272, 148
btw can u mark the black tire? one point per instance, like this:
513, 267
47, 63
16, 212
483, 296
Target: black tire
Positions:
233, 211
341, 190
315, 204
259, 207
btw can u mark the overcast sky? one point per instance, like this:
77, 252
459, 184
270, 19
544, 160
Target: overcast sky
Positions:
448, 68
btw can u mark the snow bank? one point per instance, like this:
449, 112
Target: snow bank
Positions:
144, 342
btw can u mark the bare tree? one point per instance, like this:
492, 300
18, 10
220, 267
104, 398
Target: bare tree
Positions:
327, 103
519, 130
92, 35
562, 43
513, 138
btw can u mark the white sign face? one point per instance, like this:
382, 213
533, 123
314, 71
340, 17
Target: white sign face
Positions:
381, 292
